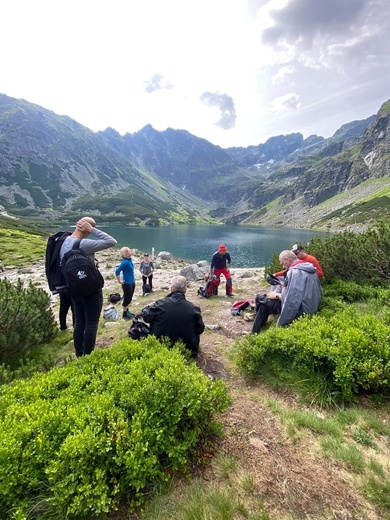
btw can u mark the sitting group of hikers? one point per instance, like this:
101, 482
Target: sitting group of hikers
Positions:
296, 289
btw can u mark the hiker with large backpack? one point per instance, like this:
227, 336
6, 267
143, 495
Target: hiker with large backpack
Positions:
84, 281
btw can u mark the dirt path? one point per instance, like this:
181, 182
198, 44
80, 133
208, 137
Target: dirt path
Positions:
292, 478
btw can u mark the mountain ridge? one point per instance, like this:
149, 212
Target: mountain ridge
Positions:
51, 165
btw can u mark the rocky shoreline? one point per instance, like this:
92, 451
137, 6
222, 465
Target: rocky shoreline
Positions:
246, 281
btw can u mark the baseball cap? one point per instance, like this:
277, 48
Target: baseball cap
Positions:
296, 248
222, 248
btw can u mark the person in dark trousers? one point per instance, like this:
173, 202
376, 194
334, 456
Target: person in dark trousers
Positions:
220, 264
146, 268
176, 318
301, 293
126, 267
87, 310
65, 305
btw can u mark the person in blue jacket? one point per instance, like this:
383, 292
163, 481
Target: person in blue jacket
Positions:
126, 267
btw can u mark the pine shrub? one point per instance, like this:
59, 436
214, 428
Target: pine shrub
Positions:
26, 320
363, 258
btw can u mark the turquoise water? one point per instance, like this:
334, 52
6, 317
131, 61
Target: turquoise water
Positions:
248, 246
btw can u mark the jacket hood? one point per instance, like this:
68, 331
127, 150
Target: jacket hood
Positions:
305, 266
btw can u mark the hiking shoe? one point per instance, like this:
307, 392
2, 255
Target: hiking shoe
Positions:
231, 295
127, 315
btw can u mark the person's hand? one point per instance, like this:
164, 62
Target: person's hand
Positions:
84, 226
274, 295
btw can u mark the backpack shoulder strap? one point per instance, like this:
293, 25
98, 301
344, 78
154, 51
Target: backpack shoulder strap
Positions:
76, 244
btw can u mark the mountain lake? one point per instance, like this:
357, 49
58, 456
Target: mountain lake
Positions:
249, 246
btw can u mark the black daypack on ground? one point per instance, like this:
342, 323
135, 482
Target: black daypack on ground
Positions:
114, 298
55, 278
81, 275
138, 329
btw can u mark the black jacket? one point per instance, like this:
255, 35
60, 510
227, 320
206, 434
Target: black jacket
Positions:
176, 318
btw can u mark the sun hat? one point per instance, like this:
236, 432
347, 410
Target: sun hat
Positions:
222, 248
296, 248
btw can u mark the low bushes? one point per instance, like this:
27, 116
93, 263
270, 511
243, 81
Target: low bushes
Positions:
344, 351
26, 320
77, 440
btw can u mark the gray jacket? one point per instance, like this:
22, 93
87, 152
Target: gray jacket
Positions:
103, 241
302, 294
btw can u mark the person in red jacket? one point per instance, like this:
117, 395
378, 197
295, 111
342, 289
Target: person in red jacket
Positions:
301, 254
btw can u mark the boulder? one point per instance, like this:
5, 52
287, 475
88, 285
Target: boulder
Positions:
165, 255
194, 273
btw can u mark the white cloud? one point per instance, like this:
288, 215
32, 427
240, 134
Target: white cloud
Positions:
286, 102
279, 65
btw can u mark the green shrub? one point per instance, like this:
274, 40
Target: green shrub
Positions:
356, 257
77, 440
26, 320
360, 257
349, 351
353, 292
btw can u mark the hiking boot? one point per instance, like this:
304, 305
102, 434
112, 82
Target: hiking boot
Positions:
127, 315
231, 295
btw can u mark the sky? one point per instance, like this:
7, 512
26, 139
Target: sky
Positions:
234, 72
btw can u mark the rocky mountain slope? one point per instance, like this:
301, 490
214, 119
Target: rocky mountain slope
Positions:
51, 166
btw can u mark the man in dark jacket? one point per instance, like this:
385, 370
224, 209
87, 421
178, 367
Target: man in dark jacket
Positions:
176, 318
